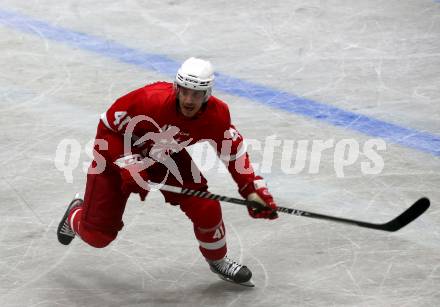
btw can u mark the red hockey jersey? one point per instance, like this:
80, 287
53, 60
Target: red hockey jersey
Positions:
152, 125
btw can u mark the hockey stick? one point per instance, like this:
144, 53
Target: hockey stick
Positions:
395, 224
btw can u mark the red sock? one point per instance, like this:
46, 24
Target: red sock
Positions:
212, 242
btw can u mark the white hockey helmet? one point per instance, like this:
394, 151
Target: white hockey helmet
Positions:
196, 74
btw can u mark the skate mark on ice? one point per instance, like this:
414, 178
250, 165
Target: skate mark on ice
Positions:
22, 200
240, 243
42, 274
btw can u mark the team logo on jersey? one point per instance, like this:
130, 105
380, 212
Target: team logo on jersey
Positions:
162, 144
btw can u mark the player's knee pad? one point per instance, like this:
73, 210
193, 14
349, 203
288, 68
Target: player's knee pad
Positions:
204, 213
97, 238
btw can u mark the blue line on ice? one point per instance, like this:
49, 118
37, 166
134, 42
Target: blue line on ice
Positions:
422, 141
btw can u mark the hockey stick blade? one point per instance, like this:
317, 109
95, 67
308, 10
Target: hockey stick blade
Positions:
397, 223
407, 216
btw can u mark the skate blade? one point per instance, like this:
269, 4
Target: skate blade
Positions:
248, 283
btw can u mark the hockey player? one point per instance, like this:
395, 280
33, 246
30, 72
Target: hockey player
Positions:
159, 120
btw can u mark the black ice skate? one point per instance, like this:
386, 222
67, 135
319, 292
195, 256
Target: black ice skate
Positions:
65, 233
232, 271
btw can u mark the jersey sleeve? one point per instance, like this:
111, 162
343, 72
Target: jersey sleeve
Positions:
232, 150
114, 121
122, 111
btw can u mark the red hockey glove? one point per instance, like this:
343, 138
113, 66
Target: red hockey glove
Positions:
133, 175
257, 191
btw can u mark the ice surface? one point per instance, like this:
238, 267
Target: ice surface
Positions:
376, 58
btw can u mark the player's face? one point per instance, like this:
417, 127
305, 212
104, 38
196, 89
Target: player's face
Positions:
190, 101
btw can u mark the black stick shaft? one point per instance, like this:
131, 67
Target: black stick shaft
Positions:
409, 215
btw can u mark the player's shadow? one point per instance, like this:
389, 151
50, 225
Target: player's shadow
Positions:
217, 287
221, 292
99, 288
